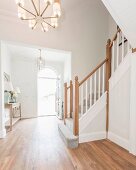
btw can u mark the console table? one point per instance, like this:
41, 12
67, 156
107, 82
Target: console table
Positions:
15, 113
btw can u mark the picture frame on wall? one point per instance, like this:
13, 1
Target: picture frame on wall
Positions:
6, 77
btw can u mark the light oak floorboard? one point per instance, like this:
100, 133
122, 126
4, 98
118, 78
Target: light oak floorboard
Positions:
35, 144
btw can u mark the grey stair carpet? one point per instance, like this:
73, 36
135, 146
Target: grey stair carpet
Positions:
69, 123
70, 140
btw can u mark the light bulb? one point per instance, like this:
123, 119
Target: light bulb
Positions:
54, 22
46, 28
21, 13
49, 2
56, 9
20, 2
32, 23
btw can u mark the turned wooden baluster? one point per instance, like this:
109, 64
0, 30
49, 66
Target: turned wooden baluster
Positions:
108, 74
71, 98
76, 112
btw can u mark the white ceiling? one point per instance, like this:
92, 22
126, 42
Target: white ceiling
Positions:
124, 13
10, 5
32, 53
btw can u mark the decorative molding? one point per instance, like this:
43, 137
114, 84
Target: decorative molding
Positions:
85, 120
3, 134
121, 70
124, 143
92, 137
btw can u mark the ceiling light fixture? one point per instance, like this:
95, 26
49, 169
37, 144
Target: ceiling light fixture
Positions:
41, 61
45, 13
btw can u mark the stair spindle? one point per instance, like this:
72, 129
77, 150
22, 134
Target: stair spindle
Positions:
117, 59
86, 96
94, 87
99, 85
122, 46
90, 91
103, 78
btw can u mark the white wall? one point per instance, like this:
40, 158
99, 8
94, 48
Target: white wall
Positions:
119, 104
83, 31
112, 27
92, 124
67, 68
120, 107
132, 129
24, 76
6, 60
123, 11
2, 113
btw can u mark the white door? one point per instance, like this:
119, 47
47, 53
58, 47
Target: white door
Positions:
46, 94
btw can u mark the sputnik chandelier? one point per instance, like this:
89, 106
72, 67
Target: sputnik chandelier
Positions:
43, 13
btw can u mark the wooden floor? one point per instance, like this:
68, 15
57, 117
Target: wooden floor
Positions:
35, 144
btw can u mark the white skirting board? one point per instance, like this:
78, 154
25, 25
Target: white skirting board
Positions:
124, 143
92, 137
3, 134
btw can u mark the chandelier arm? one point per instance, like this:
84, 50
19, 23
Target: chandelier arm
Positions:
27, 10
39, 8
49, 17
44, 10
49, 24
25, 19
34, 7
34, 26
43, 27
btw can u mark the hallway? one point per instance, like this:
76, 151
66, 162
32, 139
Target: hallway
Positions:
35, 144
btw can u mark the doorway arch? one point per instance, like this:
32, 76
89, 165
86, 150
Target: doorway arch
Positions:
47, 85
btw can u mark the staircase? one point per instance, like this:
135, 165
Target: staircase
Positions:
91, 97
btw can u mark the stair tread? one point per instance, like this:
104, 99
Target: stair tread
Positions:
69, 139
69, 123
65, 130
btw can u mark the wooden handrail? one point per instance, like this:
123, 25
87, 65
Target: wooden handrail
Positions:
115, 37
89, 75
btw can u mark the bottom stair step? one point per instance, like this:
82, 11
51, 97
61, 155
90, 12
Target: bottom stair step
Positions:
70, 140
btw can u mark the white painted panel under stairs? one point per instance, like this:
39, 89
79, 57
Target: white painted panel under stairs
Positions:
92, 123
120, 103
124, 14
86, 119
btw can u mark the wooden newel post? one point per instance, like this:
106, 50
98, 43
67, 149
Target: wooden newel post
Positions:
108, 75
76, 112
71, 98
65, 102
